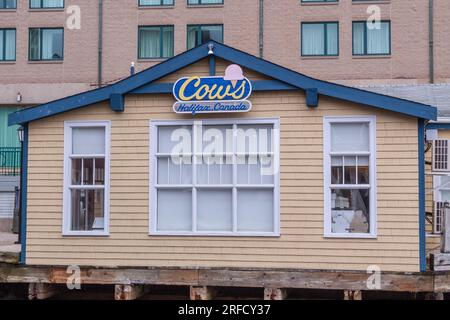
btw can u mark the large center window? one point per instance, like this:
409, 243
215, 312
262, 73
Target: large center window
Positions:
349, 167
215, 178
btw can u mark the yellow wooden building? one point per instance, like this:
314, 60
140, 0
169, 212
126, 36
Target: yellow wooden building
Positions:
216, 158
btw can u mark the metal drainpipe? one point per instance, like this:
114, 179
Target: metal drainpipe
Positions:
431, 40
261, 28
100, 43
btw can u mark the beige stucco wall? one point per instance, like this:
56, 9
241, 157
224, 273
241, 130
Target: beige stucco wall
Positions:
407, 64
301, 244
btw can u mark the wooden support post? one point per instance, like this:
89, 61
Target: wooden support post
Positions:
445, 236
40, 291
352, 295
275, 294
202, 293
129, 291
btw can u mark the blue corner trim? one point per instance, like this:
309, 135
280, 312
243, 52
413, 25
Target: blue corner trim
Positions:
438, 125
23, 197
312, 98
212, 65
246, 60
117, 102
422, 237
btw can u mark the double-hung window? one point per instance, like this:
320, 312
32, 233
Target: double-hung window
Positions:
199, 34
371, 38
46, 4
7, 44
349, 177
86, 178
320, 39
155, 42
46, 44
214, 178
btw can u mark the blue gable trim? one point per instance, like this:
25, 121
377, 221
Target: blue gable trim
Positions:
422, 213
286, 76
438, 125
24, 197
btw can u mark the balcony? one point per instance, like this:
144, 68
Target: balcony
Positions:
9, 161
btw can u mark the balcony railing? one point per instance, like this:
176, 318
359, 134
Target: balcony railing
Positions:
9, 161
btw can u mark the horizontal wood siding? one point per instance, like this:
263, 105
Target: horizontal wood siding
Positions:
301, 244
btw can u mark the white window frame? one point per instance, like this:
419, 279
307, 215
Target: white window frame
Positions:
437, 197
154, 124
327, 154
68, 125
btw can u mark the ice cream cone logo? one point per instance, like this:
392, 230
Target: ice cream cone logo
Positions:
234, 74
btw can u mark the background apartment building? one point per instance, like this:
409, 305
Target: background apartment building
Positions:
47, 51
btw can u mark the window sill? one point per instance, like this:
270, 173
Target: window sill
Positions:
433, 235
8, 62
46, 62
319, 57
46, 9
8, 10
215, 234
205, 6
319, 3
371, 2
152, 60
85, 234
376, 56
350, 236
155, 7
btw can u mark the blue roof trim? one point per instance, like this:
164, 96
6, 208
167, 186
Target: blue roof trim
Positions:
438, 125
246, 60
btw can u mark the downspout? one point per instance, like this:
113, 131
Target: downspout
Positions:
431, 39
100, 43
261, 29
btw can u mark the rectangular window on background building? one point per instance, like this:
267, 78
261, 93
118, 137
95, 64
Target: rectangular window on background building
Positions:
149, 3
156, 42
46, 44
8, 4
199, 34
204, 2
350, 182
231, 191
41, 4
7, 44
320, 39
372, 39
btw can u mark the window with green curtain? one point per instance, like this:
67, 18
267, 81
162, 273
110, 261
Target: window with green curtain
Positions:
155, 42
320, 39
372, 38
7, 44
8, 134
46, 44
199, 34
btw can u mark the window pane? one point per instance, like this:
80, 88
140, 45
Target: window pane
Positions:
211, 33
168, 41
378, 40
445, 196
88, 171
35, 3
76, 172
192, 41
2, 49
99, 171
10, 45
255, 210
214, 170
87, 210
214, 210
149, 42
174, 170
350, 170
88, 140
337, 167
350, 211
255, 170
332, 39
52, 3
175, 139
254, 139
35, 48
363, 170
358, 37
313, 36
348, 137
52, 44
217, 140
174, 210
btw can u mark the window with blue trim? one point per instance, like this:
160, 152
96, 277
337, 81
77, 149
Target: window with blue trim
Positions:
155, 42
46, 4
7, 44
320, 39
46, 44
8, 4
372, 38
199, 34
